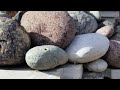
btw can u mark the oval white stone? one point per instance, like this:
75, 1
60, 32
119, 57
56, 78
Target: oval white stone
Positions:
87, 47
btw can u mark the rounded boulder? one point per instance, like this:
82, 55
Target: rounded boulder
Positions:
49, 27
87, 47
99, 65
46, 57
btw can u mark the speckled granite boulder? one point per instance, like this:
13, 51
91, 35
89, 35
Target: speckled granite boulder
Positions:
49, 27
113, 55
107, 31
14, 42
87, 47
85, 23
46, 57
99, 65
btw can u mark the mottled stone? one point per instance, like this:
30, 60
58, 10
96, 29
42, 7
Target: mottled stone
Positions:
49, 27
46, 57
87, 47
113, 55
85, 23
99, 65
14, 42
107, 31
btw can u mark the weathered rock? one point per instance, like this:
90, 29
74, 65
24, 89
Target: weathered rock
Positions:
113, 55
107, 31
85, 23
46, 57
97, 66
14, 42
87, 47
49, 27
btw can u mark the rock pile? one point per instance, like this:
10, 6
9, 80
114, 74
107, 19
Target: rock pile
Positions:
58, 38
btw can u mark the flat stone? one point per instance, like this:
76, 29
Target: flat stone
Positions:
63, 72
92, 75
109, 13
112, 73
72, 71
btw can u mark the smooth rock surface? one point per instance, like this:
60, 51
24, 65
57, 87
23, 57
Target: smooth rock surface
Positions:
97, 66
49, 27
46, 57
85, 23
87, 47
107, 31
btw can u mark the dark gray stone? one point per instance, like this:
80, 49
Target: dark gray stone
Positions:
14, 42
85, 23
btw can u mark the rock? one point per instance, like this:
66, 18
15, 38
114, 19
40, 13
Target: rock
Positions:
14, 42
117, 29
67, 71
113, 55
73, 14
85, 23
107, 31
92, 75
72, 71
11, 13
49, 27
95, 14
87, 47
107, 22
112, 73
46, 57
3, 14
116, 36
97, 66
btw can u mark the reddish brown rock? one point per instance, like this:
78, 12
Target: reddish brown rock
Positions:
107, 31
49, 27
113, 55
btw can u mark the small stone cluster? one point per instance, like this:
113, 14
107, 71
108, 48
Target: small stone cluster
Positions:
48, 39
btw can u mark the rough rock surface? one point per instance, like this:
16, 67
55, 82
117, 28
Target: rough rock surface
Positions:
46, 57
49, 27
85, 23
113, 55
14, 42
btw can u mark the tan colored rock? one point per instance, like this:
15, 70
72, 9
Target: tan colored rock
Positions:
107, 31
